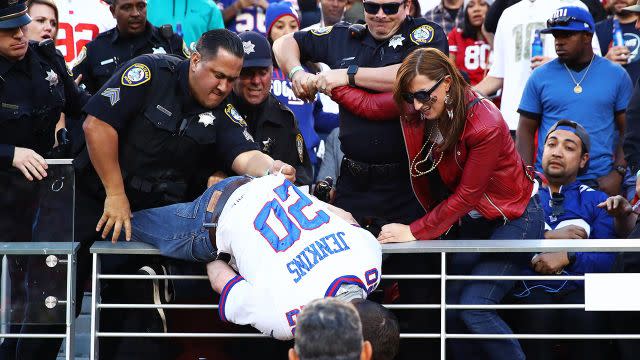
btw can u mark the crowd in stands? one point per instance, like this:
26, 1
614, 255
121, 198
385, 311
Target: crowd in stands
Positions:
516, 119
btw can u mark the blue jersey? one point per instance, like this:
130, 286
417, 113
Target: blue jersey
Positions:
309, 115
249, 19
580, 203
606, 91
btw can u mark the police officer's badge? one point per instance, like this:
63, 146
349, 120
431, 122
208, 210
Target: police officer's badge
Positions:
422, 35
321, 31
136, 74
52, 78
159, 50
80, 58
234, 115
206, 119
396, 41
248, 47
300, 147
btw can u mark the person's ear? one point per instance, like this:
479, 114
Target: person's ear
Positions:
583, 160
367, 351
195, 59
293, 355
447, 82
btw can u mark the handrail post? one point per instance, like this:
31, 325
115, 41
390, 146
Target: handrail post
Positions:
71, 307
443, 304
4, 296
95, 293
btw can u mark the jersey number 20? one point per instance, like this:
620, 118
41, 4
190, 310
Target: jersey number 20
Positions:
286, 217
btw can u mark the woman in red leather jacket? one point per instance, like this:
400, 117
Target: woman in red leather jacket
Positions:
460, 136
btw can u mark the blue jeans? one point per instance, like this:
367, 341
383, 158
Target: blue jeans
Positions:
529, 226
177, 230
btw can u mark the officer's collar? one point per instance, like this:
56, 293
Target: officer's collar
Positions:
22, 65
371, 41
189, 105
148, 32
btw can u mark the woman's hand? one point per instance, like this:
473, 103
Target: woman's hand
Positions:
393, 233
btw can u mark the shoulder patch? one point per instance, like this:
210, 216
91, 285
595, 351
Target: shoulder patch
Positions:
300, 147
234, 115
321, 31
185, 50
136, 74
82, 55
422, 35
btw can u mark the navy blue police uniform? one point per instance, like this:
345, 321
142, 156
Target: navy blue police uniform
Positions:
101, 57
374, 183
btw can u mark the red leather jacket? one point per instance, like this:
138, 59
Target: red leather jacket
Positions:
483, 172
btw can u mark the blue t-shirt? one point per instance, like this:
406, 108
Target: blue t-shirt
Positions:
631, 36
249, 19
606, 90
308, 115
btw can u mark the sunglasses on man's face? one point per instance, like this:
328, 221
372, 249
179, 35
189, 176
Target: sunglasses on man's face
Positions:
423, 96
388, 8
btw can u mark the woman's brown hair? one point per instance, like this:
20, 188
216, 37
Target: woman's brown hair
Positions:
435, 65
52, 5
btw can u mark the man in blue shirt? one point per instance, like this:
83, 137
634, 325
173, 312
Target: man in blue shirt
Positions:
571, 211
583, 87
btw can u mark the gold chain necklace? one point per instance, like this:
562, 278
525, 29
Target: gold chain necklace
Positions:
415, 163
578, 89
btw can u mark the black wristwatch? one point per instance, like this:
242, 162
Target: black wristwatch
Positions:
351, 72
621, 169
223, 256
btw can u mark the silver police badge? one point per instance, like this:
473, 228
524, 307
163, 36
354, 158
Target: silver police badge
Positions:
396, 41
159, 50
248, 47
52, 78
206, 119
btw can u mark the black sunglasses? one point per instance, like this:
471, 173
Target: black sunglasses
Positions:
423, 96
562, 21
388, 8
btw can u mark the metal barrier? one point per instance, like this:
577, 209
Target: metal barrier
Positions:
433, 246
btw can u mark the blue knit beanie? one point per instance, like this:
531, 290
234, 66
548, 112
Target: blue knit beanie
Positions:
277, 10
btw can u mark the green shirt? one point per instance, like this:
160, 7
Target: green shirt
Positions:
194, 16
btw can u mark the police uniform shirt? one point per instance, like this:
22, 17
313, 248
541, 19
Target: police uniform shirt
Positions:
161, 126
34, 92
371, 142
100, 58
285, 263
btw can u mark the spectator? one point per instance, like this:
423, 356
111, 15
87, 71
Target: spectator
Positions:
132, 36
512, 62
245, 15
468, 48
36, 89
190, 18
413, 8
354, 12
329, 329
493, 195
380, 328
80, 22
309, 12
627, 54
572, 211
332, 13
44, 24
582, 86
449, 14
271, 124
330, 166
282, 20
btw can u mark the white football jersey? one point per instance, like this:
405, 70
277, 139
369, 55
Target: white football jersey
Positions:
80, 22
512, 49
289, 249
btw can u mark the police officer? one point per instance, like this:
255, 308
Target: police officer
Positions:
35, 89
272, 124
132, 36
373, 182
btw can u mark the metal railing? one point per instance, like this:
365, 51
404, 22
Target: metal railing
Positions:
434, 246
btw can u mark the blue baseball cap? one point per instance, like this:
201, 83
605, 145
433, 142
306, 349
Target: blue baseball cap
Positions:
570, 18
277, 10
13, 14
257, 50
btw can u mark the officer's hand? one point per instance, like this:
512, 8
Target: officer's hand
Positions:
216, 178
393, 233
618, 54
30, 163
331, 79
549, 263
304, 85
117, 214
567, 232
285, 169
78, 80
537, 61
616, 206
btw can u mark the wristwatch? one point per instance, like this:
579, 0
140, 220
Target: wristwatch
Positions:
351, 72
621, 169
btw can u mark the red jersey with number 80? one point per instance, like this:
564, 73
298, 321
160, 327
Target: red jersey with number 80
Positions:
472, 56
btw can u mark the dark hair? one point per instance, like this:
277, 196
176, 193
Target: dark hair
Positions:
328, 329
434, 64
213, 40
416, 10
379, 327
468, 30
